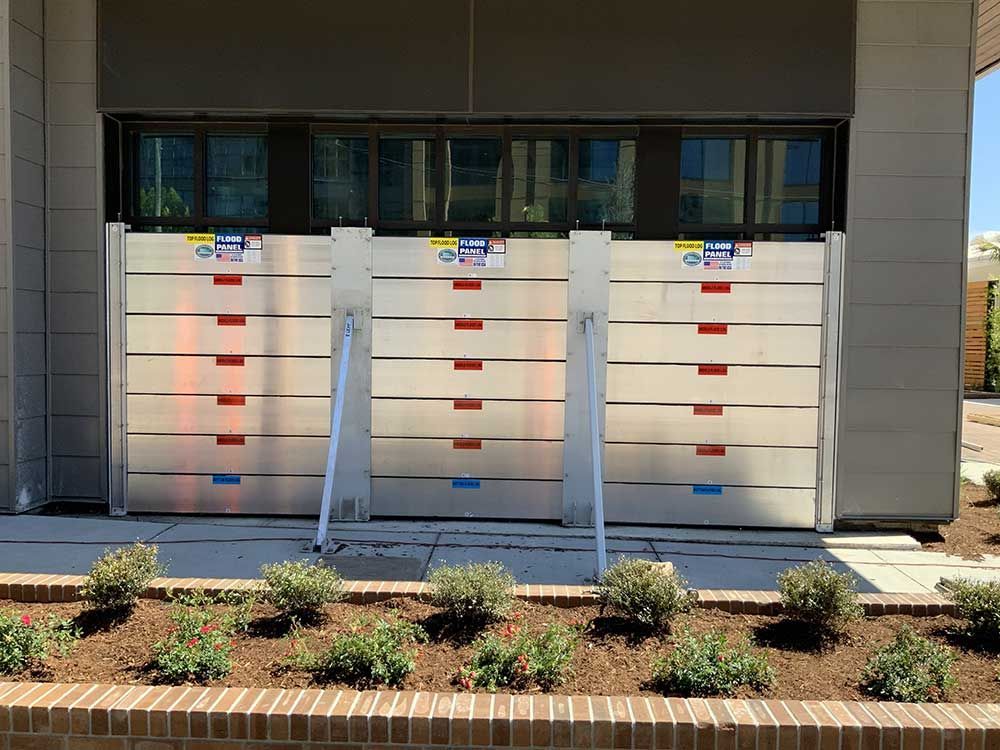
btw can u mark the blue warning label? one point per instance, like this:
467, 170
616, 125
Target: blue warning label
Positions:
465, 484
706, 489
225, 479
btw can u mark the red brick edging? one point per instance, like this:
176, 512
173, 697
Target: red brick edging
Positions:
40, 716
27, 587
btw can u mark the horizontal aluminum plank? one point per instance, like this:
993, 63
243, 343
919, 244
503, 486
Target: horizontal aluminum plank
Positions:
487, 498
228, 295
228, 334
525, 259
450, 418
783, 262
710, 464
258, 376
721, 425
285, 255
239, 415
465, 337
227, 454
713, 384
714, 342
467, 378
467, 457
225, 493
488, 298
673, 302
685, 505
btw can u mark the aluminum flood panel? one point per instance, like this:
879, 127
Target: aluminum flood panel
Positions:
467, 457
225, 493
245, 376
469, 338
728, 465
450, 418
778, 262
714, 425
713, 384
227, 453
467, 379
240, 415
281, 255
523, 500
490, 299
229, 334
409, 257
714, 342
675, 302
222, 295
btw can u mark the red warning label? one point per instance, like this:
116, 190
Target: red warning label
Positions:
468, 404
230, 440
707, 410
467, 285
713, 369
231, 400
229, 361
716, 287
468, 325
710, 450
467, 444
227, 280
468, 364
231, 320
716, 329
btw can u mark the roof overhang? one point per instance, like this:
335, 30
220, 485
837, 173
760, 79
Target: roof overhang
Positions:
988, 37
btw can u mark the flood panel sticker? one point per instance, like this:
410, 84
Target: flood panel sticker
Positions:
468, 404
713, 329
706, 489
713, 369
468, 325
204, 245
710, 450
230, 361
707, 410
238, 248
230, 400
465, 484
726, 255
227, 280
230, 320
226, 479
469, 252
230, 440
468, 364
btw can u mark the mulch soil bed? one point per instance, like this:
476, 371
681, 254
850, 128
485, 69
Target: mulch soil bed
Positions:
610, 659
975, 533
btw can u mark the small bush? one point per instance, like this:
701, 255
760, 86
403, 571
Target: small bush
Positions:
300, 589
643, 593
25, 642
978, 603
119, 577
911, 669
991, 479
382, 653
819, 596
473, 594
708, 665
200, 640
516, 659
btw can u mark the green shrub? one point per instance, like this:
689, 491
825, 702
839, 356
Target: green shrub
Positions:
978, 603
119, 577
25, 642
911, 669
819, 596
382, 653
476, 594
518, 660
641, 592
707, 665
200, 640
991, 479
300, 589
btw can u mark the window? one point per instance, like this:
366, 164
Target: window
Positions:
788, 181
237, 175
407, 179
713, 175
606, 182
540, 180
165, 176
473, 179
339, 178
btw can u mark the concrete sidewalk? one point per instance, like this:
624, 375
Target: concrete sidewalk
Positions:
536, 553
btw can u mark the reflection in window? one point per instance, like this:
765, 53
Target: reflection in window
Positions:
339, 178
407, 179
166, 175
540, 180
788, 180
713, 172
606, 181
237, 175
473, 188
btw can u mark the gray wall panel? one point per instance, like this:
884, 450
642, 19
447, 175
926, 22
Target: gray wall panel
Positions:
927, 240
27, 138
71, 19
30, 348
27, 12
901, 367
902, 409
76, 436
883, 283
888, 66
903, 325
912, 110
74, 313
70, 61
901, 197
914, 23
75, 477
29, 269
895, 495
933, 154
27, 94
75, 354
76, 395
898, 452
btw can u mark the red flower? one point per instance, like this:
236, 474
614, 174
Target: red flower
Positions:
510, 630
522, 661
518, 616
465, 682
217, 646
26, 620
206, 628
722, 657
192, 643
232, 643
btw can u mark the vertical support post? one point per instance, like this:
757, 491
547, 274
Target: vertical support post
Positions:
596, 457
351, 296
587, 298
829, 397
114, 242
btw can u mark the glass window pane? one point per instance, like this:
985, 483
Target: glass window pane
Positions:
606, 181
473, 187
407, 179
237, 175
713, 172
339, 178
166, 175
540, 180
788, 180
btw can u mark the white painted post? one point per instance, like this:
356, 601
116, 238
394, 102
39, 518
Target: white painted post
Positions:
595, 452
831, 378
